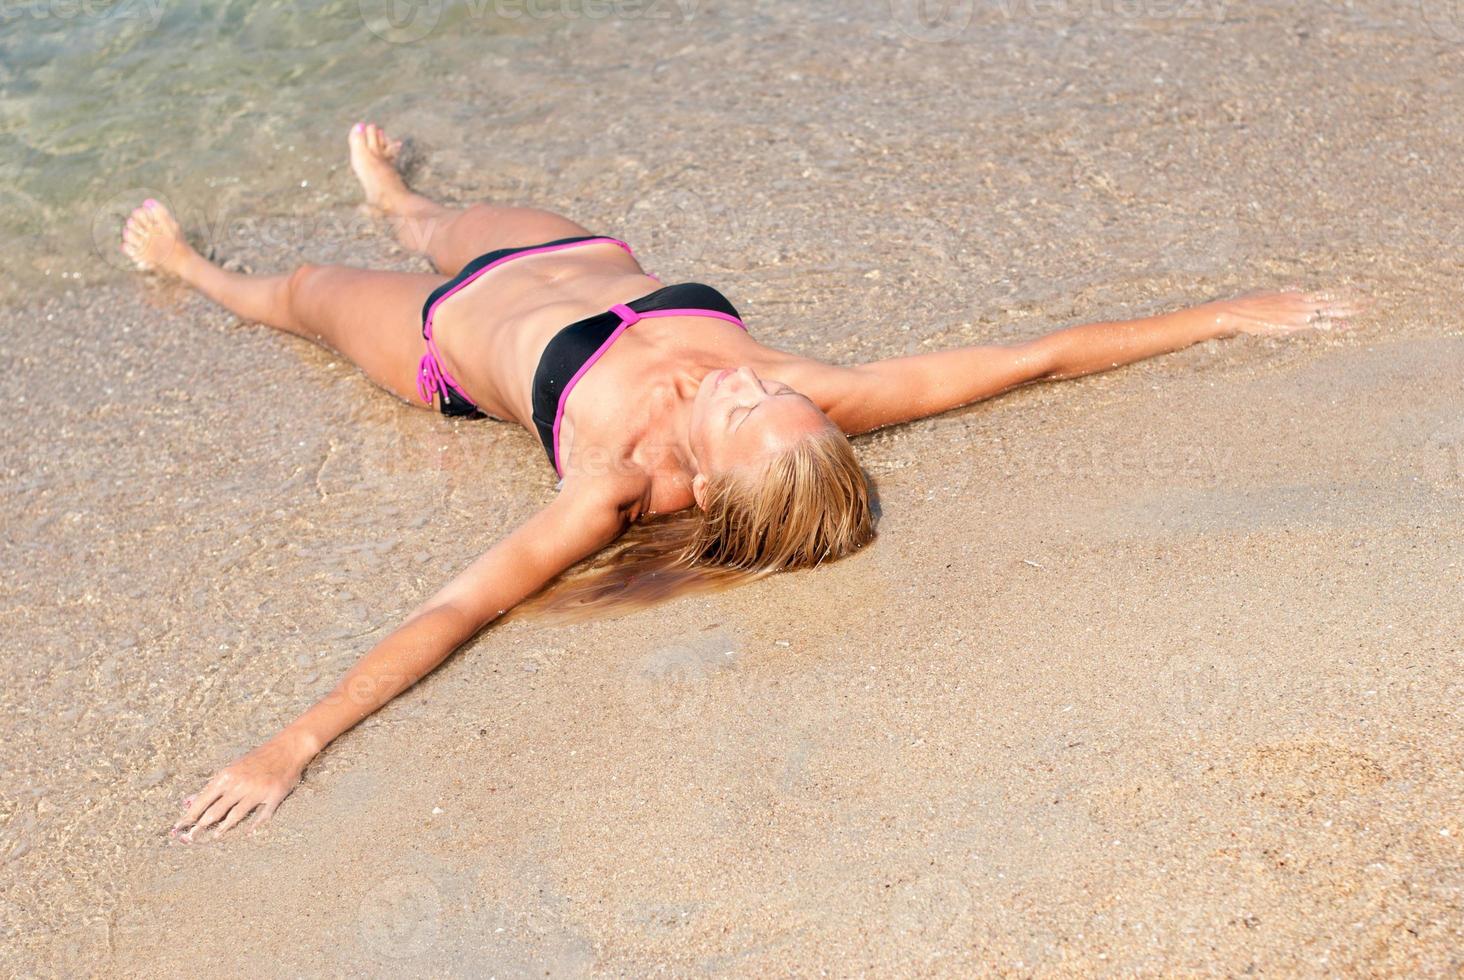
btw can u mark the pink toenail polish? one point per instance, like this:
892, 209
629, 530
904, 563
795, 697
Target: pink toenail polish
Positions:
150, 203
358, 127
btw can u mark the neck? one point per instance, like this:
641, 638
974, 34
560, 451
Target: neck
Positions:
666, 446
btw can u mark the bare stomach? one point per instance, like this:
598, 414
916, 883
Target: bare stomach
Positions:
492, 331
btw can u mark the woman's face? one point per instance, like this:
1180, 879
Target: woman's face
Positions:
738, 418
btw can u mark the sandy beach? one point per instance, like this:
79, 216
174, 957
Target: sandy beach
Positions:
1153, 673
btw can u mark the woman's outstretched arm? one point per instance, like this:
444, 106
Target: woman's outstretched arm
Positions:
577, 524
901, 389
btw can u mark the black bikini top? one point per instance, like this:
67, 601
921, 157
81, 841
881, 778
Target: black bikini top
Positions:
572, 351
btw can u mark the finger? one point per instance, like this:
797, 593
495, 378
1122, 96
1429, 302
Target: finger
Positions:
210, 792
212, 816
239, 812
1338, 297
262, 818
1344, 308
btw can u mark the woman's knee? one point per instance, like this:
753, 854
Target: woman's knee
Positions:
301, 295
301, 279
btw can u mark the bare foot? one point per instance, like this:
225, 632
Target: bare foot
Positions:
373, 158
153, 240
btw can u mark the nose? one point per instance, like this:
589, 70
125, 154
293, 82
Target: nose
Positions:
748, 383
747, 388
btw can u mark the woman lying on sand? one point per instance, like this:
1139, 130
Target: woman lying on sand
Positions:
661, 413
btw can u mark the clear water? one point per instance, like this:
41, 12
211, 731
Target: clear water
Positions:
104, 101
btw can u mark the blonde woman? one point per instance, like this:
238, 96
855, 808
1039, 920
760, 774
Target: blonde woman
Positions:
661, 414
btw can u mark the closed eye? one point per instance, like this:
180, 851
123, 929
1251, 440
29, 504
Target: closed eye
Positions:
786, 391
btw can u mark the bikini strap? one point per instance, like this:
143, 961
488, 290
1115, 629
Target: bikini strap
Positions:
432, 377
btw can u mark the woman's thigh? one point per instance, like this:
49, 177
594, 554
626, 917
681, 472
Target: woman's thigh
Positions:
486, 227
373, 318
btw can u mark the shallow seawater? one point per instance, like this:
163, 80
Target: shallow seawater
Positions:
1165, 623
218, 106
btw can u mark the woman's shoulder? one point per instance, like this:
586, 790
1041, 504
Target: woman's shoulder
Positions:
630, 495
606, 491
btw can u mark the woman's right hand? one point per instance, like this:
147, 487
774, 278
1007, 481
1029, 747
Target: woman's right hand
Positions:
259, 779
1288, 311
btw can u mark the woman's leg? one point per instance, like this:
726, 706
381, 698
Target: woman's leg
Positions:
450, 237
373, 318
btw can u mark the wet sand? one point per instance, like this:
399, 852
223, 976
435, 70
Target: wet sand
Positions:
1153, 672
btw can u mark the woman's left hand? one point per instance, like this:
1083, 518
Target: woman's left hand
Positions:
1289, 311
259, 779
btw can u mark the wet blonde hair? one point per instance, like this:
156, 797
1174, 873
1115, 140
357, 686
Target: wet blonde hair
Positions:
804, 506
